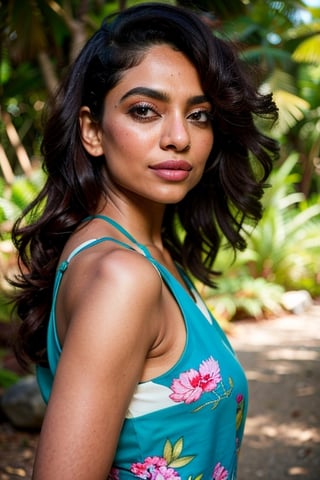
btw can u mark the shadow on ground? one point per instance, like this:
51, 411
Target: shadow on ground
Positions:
282, 361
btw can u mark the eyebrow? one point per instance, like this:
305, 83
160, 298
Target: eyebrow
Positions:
162, 96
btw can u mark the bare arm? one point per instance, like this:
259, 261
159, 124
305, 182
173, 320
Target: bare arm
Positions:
113, 326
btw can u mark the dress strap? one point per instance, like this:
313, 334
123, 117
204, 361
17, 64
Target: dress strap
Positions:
118, 227
83, 246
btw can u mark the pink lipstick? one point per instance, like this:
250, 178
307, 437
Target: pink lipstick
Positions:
172, 170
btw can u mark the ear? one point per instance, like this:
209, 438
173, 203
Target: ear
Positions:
90, 132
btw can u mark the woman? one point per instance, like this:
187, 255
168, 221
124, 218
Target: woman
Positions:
151, 154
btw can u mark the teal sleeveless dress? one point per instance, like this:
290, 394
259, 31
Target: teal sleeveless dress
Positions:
186, 424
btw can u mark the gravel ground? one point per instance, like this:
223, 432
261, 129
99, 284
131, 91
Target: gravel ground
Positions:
282, 439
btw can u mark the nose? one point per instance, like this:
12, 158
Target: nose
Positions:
175, 133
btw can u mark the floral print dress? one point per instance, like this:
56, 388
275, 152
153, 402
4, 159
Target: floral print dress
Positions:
186, 424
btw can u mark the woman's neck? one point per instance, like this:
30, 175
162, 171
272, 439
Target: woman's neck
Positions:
143, 222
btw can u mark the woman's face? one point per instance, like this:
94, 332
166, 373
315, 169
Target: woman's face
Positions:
156, 133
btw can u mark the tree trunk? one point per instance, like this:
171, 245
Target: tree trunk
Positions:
48, 72
122, 5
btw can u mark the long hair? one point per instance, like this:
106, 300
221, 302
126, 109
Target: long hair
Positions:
228, 193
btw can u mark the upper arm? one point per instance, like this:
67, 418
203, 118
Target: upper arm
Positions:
112, 328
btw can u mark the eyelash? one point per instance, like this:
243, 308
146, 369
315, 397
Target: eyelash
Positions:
136, 112
201, 112
140, 113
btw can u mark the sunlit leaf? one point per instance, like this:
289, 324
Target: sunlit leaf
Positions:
291, 109
308, 50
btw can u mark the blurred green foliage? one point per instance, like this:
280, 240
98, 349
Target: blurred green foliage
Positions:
283, 253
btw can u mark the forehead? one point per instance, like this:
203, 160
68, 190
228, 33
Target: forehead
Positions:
161, 67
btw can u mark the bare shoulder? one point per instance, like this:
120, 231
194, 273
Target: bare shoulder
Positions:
110, 303
115, 269
113, 280
128, 266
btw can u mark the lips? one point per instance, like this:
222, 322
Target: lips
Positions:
172, 170
173, 165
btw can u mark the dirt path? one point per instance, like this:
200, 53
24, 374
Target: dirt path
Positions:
282, 438
282, 361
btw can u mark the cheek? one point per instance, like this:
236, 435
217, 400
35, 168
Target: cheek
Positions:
205, 146
210, 140
123, 140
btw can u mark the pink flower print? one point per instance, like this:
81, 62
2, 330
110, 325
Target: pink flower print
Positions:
154, 468
192, 384
187, 387
239, 398
165, 473
220, 473
114, 474
210, 374
141, 469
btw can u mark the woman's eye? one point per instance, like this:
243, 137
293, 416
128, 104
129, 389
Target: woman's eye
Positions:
143, 112
200, 116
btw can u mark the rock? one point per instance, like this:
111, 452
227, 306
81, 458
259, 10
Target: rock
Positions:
297, 301
23, 405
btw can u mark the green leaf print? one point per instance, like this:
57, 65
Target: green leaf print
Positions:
171, 453
181, 462
167, 451
177, 449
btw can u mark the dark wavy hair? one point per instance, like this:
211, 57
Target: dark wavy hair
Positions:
228, 194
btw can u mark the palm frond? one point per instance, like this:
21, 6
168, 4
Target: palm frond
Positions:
308, 50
